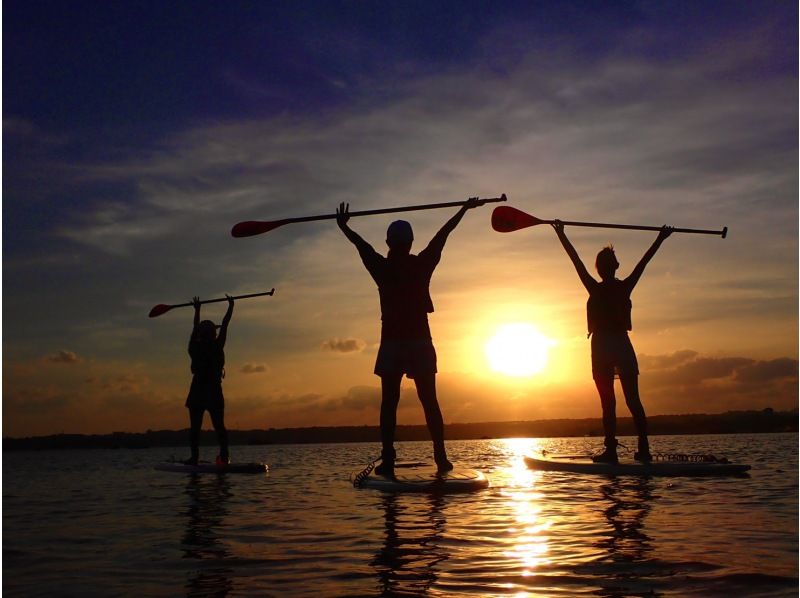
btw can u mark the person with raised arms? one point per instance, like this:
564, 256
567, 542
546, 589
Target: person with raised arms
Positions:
406, 347
608, 312
206, 348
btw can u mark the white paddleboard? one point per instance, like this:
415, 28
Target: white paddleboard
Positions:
206, 467
627, 466
424, 477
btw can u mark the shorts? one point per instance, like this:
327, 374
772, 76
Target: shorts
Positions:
613, 354
409, 357
205, 394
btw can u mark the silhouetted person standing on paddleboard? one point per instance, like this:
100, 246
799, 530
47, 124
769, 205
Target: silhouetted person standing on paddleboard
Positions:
608, 313
403, 281
206, 348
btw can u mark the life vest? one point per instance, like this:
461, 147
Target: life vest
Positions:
208, 360
405, 297
608, 308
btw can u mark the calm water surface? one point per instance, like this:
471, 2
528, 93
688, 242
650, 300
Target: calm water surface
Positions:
104, 523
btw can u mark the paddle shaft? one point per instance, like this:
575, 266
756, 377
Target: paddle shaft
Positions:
430, 206
722, 232
272, 292
251, 228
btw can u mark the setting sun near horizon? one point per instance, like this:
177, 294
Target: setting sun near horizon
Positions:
518, 350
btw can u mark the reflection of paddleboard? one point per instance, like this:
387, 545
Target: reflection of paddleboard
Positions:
584, 464
422, 477
206, 467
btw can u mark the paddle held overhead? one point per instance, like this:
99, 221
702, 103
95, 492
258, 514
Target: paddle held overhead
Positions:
506, 219
251, 228
162, 309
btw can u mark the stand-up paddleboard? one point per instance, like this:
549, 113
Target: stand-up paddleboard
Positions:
206, 467
423, 477
679, 465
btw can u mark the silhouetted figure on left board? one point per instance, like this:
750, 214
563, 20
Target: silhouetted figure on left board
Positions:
608, 312
403, 281
206, 348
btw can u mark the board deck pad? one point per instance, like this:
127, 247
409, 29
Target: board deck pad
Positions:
208, 467
627, 466
424, 477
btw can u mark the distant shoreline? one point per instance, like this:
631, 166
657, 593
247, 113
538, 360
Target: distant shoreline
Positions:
732, 422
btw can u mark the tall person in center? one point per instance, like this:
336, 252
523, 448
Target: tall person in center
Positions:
403, 281
608, 313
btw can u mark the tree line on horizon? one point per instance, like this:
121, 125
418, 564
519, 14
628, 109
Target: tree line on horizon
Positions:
732, 422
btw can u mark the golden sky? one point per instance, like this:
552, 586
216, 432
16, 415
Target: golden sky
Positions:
641, 130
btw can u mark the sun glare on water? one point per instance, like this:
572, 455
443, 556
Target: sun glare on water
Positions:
518, 350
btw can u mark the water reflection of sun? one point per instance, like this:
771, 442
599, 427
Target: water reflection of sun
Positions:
529, 536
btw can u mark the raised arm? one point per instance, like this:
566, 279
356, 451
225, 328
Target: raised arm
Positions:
196, 322
342, 216
223, 329
634, 276
583, 273
439, 239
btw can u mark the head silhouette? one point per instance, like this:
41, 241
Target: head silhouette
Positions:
606, 263
206, 330
399, 237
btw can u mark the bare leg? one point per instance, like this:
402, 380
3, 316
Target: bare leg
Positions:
630, 387
605, 386
426, 391
218, 420
196, 423
390, 397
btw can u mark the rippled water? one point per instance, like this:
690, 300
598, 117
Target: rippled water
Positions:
104, 523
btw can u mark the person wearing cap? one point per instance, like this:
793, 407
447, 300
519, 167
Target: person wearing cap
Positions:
406, 347
206, 348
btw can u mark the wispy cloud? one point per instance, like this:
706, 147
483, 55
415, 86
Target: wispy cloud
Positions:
343, 345
64, 356
254, 368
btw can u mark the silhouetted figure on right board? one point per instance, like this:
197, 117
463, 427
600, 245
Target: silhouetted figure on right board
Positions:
608, 312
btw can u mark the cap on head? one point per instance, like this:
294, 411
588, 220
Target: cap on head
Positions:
399, 233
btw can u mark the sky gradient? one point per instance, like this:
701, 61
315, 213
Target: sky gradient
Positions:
136, 134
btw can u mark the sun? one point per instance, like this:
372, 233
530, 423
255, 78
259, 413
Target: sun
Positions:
518, 350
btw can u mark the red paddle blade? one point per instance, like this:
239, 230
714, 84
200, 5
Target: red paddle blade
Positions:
251, 228
159, 309
506, 219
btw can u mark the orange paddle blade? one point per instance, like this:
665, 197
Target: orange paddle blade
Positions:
159, 309
506, 219
251, 228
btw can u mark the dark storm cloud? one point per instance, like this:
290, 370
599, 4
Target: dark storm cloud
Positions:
715, 384
767, 371
698, 370
658, 362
